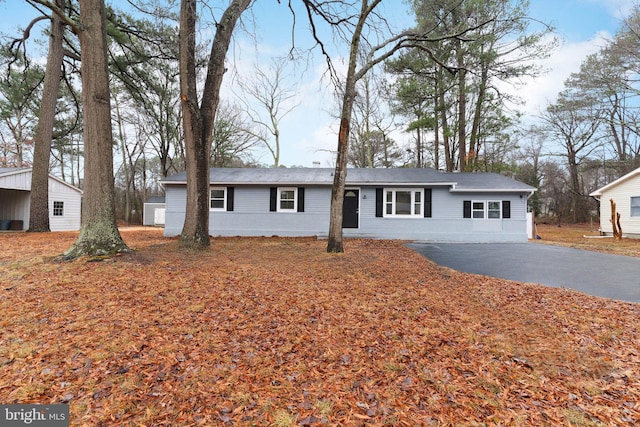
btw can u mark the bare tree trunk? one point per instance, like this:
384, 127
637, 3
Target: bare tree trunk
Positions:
335, 243
462, 111
128, 172
449, 153
198, 120
39, 203
474, 138
195, 231
436, 136
99, 234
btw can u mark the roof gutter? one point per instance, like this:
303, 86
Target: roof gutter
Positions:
492, 190
348, 183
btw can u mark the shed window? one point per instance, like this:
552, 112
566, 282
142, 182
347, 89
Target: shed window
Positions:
58, 208
635, 206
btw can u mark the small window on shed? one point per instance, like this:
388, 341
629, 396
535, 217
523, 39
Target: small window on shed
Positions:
58, 208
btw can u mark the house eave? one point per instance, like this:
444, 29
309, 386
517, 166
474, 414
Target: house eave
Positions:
19, 171
400, 184
492, 190
599, 192
323, 183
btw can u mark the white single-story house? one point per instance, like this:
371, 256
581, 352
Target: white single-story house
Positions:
15, 198
398, 203
153, 211
625, 192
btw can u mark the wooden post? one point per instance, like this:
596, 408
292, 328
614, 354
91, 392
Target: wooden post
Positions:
615, 221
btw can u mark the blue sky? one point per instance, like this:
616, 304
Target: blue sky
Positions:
308, 133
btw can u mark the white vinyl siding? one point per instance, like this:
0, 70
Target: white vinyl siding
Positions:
69, 200
624, 194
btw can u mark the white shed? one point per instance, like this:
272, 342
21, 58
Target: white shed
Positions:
153, 212
15, 197
625, 192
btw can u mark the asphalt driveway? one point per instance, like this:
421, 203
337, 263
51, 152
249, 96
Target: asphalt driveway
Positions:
604, 275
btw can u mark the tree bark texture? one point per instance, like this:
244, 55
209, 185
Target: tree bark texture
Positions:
199, 118
39, 202
335, 241
99, 234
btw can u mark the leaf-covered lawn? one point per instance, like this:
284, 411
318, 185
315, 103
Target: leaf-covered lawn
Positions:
586, 236
276, 332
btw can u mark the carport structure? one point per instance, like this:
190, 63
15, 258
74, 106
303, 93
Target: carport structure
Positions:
15, 198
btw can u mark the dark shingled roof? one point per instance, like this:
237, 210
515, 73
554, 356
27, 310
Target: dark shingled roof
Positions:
12, 170
156, 199
360, 176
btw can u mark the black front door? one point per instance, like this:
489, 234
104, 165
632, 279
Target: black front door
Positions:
350, 209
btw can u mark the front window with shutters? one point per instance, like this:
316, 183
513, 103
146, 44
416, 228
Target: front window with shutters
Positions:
487, 209
287, 199
403, 203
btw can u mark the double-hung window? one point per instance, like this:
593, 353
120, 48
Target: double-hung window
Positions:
477, 210
487, 209
287, 199
635, 206
493, 210
403, 203
218, 200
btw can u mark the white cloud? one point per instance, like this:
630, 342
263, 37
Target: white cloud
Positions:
538, 92
617, 8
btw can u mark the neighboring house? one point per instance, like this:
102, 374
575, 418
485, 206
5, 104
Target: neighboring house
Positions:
407, 204
625, 192
153, 211
15, 199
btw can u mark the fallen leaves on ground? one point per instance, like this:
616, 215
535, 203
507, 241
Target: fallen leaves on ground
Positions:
587, 236
276, 332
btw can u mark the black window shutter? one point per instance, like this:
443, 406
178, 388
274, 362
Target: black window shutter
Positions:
427, 203
467, 209
506, 209
300, 199
379, 202
273, 200
230, 199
